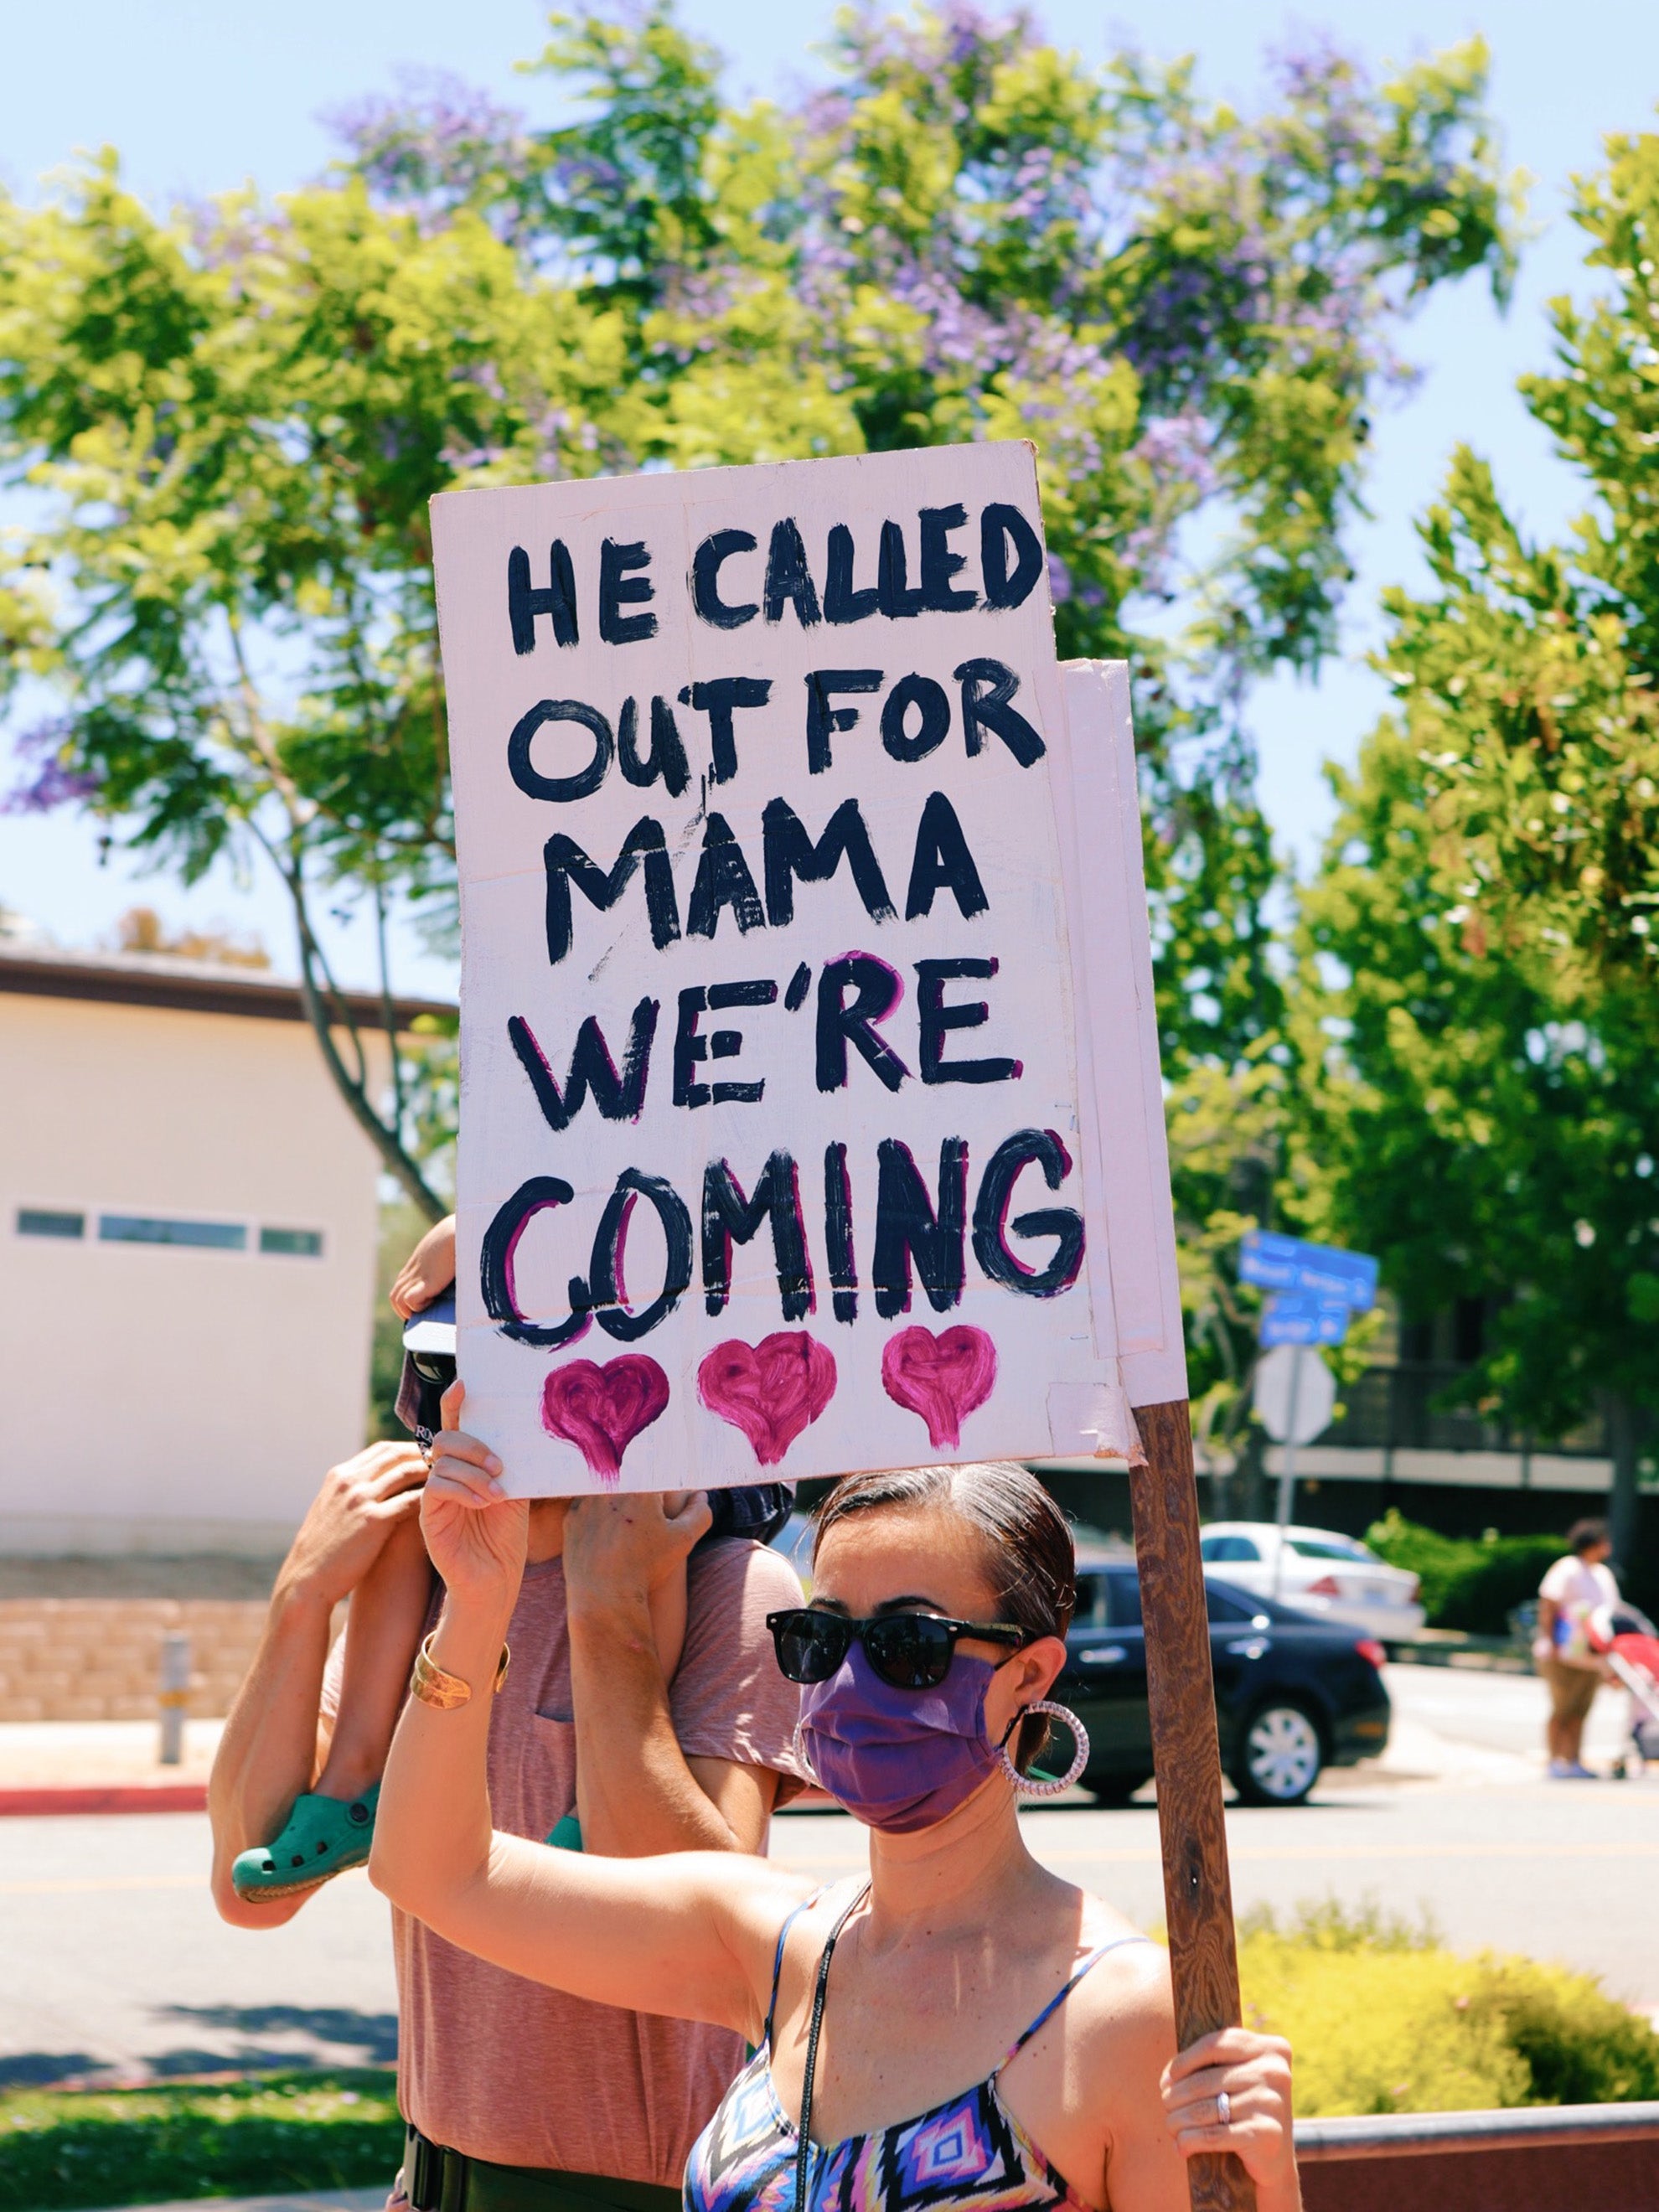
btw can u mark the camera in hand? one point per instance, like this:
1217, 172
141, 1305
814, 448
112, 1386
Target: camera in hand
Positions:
428, 1368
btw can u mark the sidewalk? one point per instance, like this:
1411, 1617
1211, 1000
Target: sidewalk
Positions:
102, 1766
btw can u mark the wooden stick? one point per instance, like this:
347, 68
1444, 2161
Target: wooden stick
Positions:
1197, 1894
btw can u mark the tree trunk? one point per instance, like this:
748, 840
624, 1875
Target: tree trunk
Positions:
1622, 1502
1249, 1482
394, 1157
326, 1008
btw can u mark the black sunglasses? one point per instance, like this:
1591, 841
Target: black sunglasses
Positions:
910, 1651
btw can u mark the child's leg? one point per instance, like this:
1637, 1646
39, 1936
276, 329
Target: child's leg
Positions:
428, 1271
383, 1631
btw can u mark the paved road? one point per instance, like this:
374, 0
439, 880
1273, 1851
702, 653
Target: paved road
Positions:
113, 1957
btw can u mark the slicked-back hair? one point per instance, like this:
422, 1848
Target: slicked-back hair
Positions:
1025, 1544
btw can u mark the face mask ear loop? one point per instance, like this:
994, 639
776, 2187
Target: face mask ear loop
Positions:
1025, 1783
802, 1761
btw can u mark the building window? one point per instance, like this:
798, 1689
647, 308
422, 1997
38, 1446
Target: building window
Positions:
44, 1221
149, 1228
301, 1243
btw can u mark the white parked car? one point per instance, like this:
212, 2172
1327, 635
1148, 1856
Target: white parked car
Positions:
1334, 1577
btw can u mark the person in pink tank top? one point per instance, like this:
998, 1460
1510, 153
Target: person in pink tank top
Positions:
520, 2097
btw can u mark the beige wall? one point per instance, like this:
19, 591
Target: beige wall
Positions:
175, 1399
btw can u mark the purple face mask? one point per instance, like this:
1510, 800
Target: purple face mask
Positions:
898, 1760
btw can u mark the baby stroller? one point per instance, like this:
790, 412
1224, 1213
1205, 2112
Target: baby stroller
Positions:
1628, 1640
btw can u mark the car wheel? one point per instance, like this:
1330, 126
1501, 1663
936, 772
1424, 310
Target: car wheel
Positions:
1279, 1755
1114, 1789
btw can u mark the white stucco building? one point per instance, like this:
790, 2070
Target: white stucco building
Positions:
187, 1243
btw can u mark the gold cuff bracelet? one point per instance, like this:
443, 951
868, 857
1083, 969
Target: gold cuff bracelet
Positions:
432, 1686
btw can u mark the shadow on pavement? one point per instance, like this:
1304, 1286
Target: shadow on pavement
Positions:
253, 2039
351, 2038
39, 2069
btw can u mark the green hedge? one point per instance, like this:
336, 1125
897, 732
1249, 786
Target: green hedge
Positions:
1471, 1582
255, 2138
1381, 2018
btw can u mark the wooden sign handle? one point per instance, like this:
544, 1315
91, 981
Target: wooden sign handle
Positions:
1197, 1893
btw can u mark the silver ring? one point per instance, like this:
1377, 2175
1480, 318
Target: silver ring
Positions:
1223, 2110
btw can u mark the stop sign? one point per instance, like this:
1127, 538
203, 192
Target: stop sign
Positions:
1315, 1391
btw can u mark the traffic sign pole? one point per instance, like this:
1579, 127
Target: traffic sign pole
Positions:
1287, 1468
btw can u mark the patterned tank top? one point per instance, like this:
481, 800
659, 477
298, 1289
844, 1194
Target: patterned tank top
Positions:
968, 2151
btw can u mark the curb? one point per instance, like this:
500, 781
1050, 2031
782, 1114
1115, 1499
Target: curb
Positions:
1475, 1656
105, 1797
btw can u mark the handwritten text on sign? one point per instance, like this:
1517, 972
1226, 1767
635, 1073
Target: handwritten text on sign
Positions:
770, 1114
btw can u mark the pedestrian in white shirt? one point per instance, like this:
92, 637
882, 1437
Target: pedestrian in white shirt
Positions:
1575, 1587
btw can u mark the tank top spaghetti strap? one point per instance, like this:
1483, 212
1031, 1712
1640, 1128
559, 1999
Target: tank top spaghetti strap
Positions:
1063, 1991
790, 1918
968, 2150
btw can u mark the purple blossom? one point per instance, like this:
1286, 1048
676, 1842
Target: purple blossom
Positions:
52, 783
440, 142
231, 238
1176, 449
1320, 75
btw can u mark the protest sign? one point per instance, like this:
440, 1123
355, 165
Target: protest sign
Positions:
810, 1113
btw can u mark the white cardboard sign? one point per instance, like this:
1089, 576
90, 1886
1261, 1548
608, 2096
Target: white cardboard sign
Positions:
811, 1116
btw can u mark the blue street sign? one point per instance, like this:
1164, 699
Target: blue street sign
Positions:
1317, 1271
1296, 1317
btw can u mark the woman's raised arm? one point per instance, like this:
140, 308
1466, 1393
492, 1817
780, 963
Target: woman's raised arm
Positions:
690, 1935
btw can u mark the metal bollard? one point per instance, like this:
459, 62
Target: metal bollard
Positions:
174, 1694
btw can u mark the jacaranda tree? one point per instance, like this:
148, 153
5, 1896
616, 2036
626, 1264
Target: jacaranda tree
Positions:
232, 418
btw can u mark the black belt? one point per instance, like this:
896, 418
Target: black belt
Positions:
438, 2180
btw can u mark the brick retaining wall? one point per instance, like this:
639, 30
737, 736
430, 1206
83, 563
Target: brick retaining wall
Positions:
98, 1659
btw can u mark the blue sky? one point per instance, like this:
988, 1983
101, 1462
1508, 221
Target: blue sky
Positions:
201, 94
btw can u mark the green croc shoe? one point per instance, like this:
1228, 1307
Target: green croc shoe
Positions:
322, 1837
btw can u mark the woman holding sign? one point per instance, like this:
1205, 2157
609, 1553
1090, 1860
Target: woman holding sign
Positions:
988, 2034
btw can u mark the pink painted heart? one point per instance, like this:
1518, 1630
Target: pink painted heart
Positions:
601, 1410
941, 1377
770, 1390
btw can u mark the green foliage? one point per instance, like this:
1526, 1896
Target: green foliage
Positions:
1483, 1122
1526, 685
402, 1226
1478, 1020
1223, 1129
233, 417
1382, 2019
1472, 1583
1579, 2046
269, 2135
